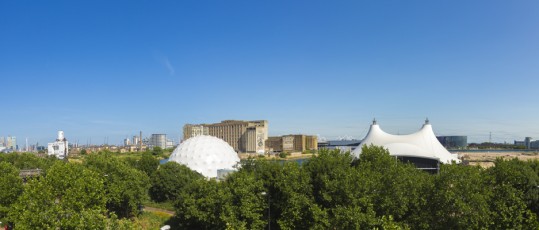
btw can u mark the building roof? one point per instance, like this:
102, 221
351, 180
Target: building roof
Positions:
422, 144
344, 142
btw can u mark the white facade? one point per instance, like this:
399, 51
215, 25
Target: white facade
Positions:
206, 155
422, 144
59, 148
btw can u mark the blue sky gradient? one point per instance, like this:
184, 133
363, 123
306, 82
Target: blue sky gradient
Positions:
99, 69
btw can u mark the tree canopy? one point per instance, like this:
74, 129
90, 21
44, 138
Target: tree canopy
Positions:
332, 190
335, 191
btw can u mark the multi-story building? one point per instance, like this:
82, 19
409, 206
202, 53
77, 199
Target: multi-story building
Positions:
292, 143
136, 140
194, 130
243, 136
11, 143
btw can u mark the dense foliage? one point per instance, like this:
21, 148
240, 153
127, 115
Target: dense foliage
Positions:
10, 187
125, 187
376, 191
169, 179
329, 191
91, 195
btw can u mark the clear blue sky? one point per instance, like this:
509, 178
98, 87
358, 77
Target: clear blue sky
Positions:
111, 68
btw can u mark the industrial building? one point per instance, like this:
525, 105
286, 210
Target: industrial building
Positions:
243, 136
420, 148
292, 143
158, 140
59, 148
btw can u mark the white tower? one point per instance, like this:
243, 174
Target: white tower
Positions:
60, 136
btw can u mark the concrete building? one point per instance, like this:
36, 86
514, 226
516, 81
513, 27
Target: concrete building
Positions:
59, 148
194, 130
292, 143
243, 136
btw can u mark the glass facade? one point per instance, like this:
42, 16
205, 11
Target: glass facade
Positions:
453, 142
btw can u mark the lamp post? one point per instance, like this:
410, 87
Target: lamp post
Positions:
269, 209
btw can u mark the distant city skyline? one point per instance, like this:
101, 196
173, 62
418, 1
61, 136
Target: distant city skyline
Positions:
111, 69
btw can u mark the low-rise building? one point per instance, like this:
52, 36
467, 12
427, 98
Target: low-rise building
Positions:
342, 145
292, 143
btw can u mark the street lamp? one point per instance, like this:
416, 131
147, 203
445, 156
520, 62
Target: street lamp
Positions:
269, 209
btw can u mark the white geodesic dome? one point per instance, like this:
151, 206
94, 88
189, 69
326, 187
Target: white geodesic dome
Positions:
206, 155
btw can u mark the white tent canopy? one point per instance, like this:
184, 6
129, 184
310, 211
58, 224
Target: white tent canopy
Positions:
422, 144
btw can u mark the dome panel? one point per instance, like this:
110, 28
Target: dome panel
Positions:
206, 155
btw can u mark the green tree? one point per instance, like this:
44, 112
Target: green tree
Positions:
509, 211
83, 152
200, 205
522, 176
245, 209
68, 197
10, 188
396, 190
336, 187
169, 179
293, 205
147, 164
125, 187
460, 199
28, 160
157, 151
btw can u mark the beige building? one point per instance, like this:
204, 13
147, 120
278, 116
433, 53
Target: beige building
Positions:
243, 136
292, 143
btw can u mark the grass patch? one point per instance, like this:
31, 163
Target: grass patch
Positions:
151, 220
168, 205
